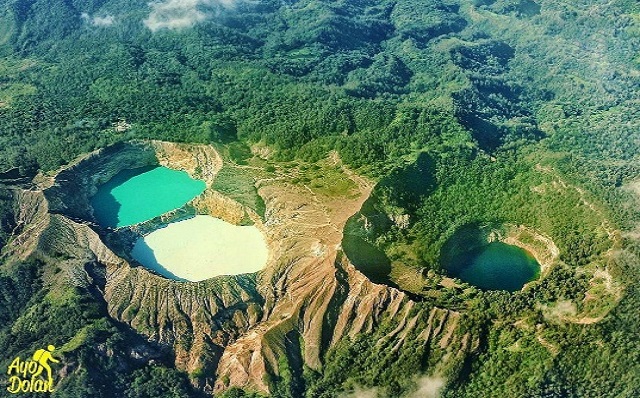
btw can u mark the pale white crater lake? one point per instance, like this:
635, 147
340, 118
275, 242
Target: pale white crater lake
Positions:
202, 247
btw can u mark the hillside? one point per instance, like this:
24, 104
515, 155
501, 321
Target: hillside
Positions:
370, 142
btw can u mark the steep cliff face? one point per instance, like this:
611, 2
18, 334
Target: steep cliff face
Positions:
234, 331
72, 187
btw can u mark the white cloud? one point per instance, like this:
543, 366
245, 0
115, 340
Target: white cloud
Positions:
428, 387
174, 14
107, 20
180, 14
103, 21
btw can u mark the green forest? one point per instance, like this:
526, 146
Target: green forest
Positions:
462, 111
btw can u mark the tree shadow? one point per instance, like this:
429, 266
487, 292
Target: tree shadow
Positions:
459, 248
406, 187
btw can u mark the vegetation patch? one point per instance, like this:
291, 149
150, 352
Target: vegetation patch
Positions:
239, 184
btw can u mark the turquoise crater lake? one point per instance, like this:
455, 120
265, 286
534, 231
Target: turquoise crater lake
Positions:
495, 266
137, 195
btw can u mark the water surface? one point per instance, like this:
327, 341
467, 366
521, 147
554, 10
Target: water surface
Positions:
202, 247
137, 195
496, 266
367, 259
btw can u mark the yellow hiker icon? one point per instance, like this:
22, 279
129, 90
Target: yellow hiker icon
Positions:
42, 357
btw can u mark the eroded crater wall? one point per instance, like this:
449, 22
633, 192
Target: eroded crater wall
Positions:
232, 331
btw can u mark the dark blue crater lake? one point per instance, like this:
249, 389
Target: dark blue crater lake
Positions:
495, 266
